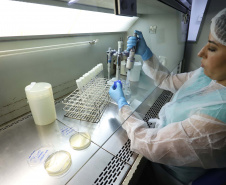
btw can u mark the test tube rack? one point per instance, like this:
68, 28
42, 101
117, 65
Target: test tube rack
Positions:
89, 102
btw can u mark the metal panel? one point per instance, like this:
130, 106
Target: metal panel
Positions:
106, 165
20, 140
127, 8
176, 5
98, 170
119, 145
99, 132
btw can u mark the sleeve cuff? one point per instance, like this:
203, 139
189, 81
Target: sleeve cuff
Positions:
147, 54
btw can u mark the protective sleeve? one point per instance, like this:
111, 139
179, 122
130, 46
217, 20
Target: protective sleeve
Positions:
199, 141
162, 77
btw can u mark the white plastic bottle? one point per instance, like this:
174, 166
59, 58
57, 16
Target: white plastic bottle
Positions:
41, 102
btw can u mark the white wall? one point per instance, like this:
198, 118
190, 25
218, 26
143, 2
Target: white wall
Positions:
169, 39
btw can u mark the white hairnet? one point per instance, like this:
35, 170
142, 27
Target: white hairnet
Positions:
218, 27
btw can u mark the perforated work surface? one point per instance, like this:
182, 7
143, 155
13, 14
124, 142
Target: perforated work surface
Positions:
164, 97
114, 168
117, 163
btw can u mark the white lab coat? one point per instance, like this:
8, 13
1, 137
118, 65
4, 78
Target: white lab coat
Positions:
199, 140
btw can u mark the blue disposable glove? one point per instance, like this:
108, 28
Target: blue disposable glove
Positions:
117, 95
141, 47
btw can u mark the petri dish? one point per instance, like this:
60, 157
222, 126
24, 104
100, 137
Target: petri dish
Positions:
58, 163
80, 141
38, 156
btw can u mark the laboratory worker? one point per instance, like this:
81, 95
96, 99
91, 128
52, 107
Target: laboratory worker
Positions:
189, 137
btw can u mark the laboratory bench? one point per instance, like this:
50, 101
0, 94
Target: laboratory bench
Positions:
107, 160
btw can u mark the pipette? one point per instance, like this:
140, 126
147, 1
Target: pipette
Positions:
115, 84
119, 58
110, 53
129, 66
131, 59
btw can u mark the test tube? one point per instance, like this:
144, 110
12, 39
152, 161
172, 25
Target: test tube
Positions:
100, 69
78, 82
82, 82
90, 76
100, 66
96, 72
86, 78
92, 71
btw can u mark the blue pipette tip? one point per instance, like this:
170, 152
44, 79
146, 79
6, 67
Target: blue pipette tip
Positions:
115, 84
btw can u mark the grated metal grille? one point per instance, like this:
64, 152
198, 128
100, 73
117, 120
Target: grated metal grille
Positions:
125, 153
164, 97
117, 163
114, 168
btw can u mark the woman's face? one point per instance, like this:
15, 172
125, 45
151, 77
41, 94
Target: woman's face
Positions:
213, 61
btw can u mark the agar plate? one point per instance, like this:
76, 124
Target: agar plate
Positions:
80, 140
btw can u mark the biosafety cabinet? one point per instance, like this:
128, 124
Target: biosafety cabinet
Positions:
57, 42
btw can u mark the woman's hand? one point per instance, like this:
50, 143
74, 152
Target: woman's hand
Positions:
141, 47
117, 95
